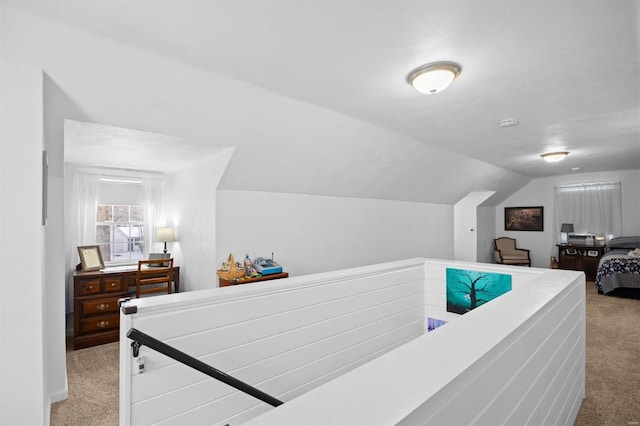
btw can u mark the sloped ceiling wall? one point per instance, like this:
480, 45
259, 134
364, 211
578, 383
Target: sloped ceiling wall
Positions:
282, 145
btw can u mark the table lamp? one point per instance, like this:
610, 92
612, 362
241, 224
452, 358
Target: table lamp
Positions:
165, 235
565, 230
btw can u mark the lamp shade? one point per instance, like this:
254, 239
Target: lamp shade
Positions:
566, 227
165, 235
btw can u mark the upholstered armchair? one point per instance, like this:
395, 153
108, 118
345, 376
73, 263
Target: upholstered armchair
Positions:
507, 253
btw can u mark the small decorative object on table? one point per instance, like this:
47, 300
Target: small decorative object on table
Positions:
266, 266
230, 270
247, 266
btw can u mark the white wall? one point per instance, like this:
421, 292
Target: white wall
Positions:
56, 106
486, 231
22, 351
54, 296
466, 225
540, 192
190, 200
310, 234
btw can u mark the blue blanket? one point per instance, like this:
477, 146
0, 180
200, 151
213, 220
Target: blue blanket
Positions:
616, 270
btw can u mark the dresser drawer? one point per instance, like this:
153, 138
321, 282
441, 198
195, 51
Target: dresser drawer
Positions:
99, 323
113, 284
131, 281
99, 306
87, 287
96, 316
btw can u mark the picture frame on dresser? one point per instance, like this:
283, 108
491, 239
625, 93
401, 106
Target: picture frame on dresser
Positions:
90, 258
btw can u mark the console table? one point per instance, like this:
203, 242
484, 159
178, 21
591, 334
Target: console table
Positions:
96, 318
580, 258
226, 283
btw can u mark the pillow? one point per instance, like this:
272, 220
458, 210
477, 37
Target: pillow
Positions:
625, 242
635, 253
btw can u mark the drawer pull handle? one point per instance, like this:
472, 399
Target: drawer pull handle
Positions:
113, 284
102, 306
102, 324
90, 287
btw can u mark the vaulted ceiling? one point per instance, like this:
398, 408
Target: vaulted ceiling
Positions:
313, 94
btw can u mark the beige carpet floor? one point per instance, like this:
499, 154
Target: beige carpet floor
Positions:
93, 380
612, 371
612, 361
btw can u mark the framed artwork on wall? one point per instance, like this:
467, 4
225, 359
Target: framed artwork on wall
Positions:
524, 218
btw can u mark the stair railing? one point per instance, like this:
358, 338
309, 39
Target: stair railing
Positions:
139, 339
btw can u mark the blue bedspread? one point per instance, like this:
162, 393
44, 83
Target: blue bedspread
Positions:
616, 270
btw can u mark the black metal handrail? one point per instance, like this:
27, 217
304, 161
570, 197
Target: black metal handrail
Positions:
144, 339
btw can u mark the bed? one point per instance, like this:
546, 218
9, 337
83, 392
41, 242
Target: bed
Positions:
619, 268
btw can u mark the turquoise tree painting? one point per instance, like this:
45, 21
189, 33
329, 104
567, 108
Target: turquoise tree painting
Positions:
466, 290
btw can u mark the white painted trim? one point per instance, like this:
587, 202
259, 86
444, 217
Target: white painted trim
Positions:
180, 301
60, 395
125, 371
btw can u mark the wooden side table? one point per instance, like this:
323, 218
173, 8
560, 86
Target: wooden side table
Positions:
581, 258
227, 283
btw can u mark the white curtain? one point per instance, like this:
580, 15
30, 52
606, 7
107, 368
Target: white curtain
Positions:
80, 222
594, 208
152, 198
80, 216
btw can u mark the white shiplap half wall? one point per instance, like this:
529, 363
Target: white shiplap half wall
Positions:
518, 359
284, 337
331, 343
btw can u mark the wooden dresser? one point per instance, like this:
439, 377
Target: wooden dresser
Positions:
96, 318
581, 258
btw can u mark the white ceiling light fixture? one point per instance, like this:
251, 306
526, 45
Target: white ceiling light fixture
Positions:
434, 77
510, 122
554, 157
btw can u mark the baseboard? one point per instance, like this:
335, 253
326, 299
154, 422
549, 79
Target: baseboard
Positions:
47, 413
53, 398
60, 395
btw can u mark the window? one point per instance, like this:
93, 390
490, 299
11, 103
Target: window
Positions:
120, 232
592, 208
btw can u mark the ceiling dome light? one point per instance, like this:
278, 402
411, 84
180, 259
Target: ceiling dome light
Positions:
510, 122
434, 77
554, 157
